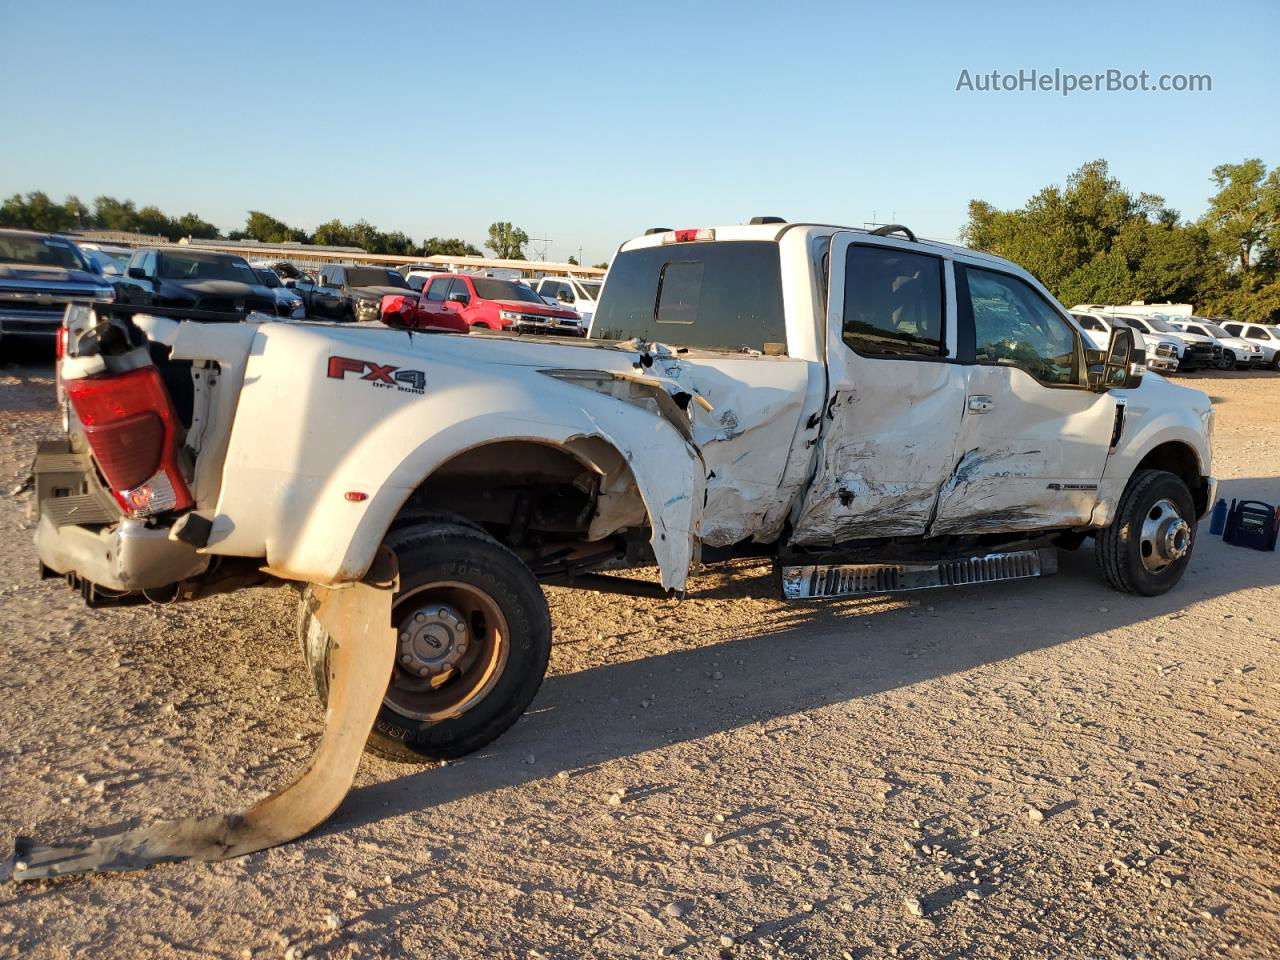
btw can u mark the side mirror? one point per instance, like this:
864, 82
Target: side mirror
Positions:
137, 273
1121, 366
462, 298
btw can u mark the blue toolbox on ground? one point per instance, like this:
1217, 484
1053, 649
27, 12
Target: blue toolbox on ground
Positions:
1251, 523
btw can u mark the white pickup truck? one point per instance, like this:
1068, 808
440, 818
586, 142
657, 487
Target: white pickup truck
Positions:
874, 411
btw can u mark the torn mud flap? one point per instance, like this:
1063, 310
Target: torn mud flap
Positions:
358, 618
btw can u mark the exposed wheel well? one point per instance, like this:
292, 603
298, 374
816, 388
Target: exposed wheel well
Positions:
1180, 460
549, 503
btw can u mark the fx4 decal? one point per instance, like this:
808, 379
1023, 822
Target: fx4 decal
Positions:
386, 376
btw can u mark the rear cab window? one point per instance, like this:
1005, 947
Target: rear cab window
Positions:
723, 295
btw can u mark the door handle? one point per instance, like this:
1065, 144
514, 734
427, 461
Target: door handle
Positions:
981, 403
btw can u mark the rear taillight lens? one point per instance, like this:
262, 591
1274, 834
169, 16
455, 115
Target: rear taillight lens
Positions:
131, 428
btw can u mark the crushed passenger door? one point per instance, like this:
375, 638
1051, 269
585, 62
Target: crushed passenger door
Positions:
896, 392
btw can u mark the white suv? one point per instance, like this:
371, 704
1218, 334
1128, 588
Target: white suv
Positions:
576, 293
1265, 338
1235, 351
1163, 353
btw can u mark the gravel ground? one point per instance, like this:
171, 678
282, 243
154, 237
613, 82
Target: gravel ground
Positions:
1044, 769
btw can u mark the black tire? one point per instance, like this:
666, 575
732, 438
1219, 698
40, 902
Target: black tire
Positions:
1275, 362
1124, 550
1227, 361
433, 556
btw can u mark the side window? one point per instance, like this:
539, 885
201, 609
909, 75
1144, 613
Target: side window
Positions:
1090, 323
458, 285
436, 289
337, 277
1258, 333
149, 263
893, 303
1233, 328
1014, 327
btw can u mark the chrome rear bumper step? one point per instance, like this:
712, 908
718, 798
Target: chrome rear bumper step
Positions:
828, 580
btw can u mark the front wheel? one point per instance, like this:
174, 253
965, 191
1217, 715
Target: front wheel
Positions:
1227, 361
1148, 545
474, 641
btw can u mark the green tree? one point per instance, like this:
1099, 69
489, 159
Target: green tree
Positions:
267, 229
190, 225
507, 242
1243, 218
152, 220
333, 233
448, 246
603, 265
112, 214
36, 211
1242, 226
1094, 241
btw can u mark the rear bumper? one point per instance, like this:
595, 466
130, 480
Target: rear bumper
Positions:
125, 556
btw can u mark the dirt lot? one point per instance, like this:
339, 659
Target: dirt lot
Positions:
1040, 769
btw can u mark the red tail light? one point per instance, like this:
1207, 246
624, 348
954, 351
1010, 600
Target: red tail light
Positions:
132, 430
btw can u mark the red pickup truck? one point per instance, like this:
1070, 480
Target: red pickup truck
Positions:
456, 301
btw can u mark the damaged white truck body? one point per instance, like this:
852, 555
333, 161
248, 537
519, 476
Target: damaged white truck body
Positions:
873, 411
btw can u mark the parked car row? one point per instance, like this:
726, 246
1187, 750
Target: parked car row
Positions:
1187, 344
41, 273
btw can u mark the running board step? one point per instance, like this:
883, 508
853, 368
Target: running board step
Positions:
826, 580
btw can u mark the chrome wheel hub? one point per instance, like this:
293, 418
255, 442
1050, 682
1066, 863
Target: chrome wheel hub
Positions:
432, 640
1166, 537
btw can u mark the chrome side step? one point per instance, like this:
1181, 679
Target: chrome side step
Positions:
827, 580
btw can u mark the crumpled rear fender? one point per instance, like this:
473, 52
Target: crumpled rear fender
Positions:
665, 468
319, 464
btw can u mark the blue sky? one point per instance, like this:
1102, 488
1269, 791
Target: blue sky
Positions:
588, 123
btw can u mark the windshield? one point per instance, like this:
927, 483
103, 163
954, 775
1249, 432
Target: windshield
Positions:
267, 278
1215, 330
589, 289
204, 266
41, 252
109, 266
375, 277
1156, 323
488, 288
